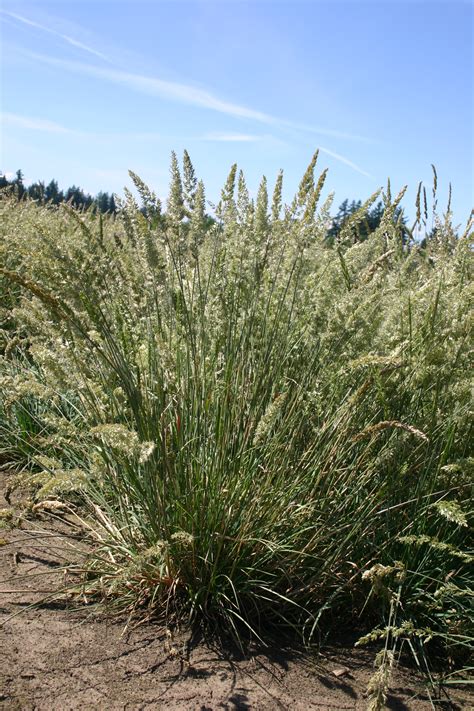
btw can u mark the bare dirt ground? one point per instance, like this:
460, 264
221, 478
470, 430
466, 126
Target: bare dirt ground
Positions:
59, 656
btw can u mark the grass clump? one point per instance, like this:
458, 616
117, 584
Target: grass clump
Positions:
255, 416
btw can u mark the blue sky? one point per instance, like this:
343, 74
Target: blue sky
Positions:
384, 88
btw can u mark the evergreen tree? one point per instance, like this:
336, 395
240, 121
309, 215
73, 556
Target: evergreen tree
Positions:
78, 198
52, 193
371, 221
36, 191
102, 202
4, 182
374, 216
18, 184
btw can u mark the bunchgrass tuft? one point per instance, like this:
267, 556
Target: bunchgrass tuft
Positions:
251, 416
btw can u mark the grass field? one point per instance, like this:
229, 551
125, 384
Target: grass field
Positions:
262, 429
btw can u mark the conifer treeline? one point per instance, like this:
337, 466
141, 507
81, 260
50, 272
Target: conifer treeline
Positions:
103, 202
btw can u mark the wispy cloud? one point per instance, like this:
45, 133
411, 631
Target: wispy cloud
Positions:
153, 86
35, 124
67, 38
195, 96
346, 161
188, 94
330, 132
40, 124
231, 137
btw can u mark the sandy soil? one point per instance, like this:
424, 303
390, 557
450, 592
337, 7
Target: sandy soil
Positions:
59, 656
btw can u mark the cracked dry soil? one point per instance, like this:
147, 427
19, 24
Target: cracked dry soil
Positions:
60, 657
